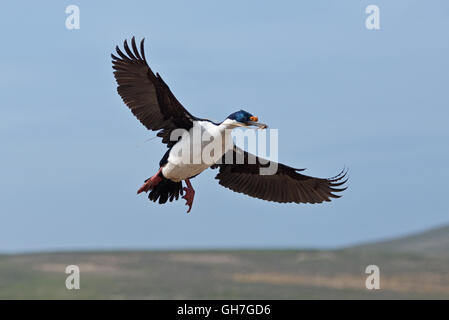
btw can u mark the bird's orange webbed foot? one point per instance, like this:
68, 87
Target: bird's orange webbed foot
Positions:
150, 182
189, 196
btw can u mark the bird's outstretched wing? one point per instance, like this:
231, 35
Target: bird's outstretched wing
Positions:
146, 94
286, 185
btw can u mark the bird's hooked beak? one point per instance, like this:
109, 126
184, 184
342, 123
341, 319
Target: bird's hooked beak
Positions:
254, 121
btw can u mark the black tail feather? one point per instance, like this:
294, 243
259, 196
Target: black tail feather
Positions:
166, 190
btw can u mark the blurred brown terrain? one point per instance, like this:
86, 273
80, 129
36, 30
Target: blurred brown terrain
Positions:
410, 268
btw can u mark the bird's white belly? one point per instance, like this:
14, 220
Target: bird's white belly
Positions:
191, 155
179, 172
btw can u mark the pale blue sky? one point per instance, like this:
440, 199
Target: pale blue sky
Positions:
73, 156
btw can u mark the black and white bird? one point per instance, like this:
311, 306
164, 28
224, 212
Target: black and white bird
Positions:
152, 102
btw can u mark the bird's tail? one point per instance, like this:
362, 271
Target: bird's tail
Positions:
166, 190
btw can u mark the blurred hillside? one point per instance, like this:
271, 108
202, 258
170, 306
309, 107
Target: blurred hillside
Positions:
434, 242
412, 267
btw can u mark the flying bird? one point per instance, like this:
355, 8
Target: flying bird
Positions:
154, 105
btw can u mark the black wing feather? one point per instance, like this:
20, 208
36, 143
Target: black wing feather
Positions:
147, 95
286, 185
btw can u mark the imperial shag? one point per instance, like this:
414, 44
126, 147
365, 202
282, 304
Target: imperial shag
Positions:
152, 102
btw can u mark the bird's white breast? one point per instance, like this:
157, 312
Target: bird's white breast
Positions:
197, 150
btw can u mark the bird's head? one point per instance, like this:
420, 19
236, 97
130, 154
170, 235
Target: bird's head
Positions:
243, 119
